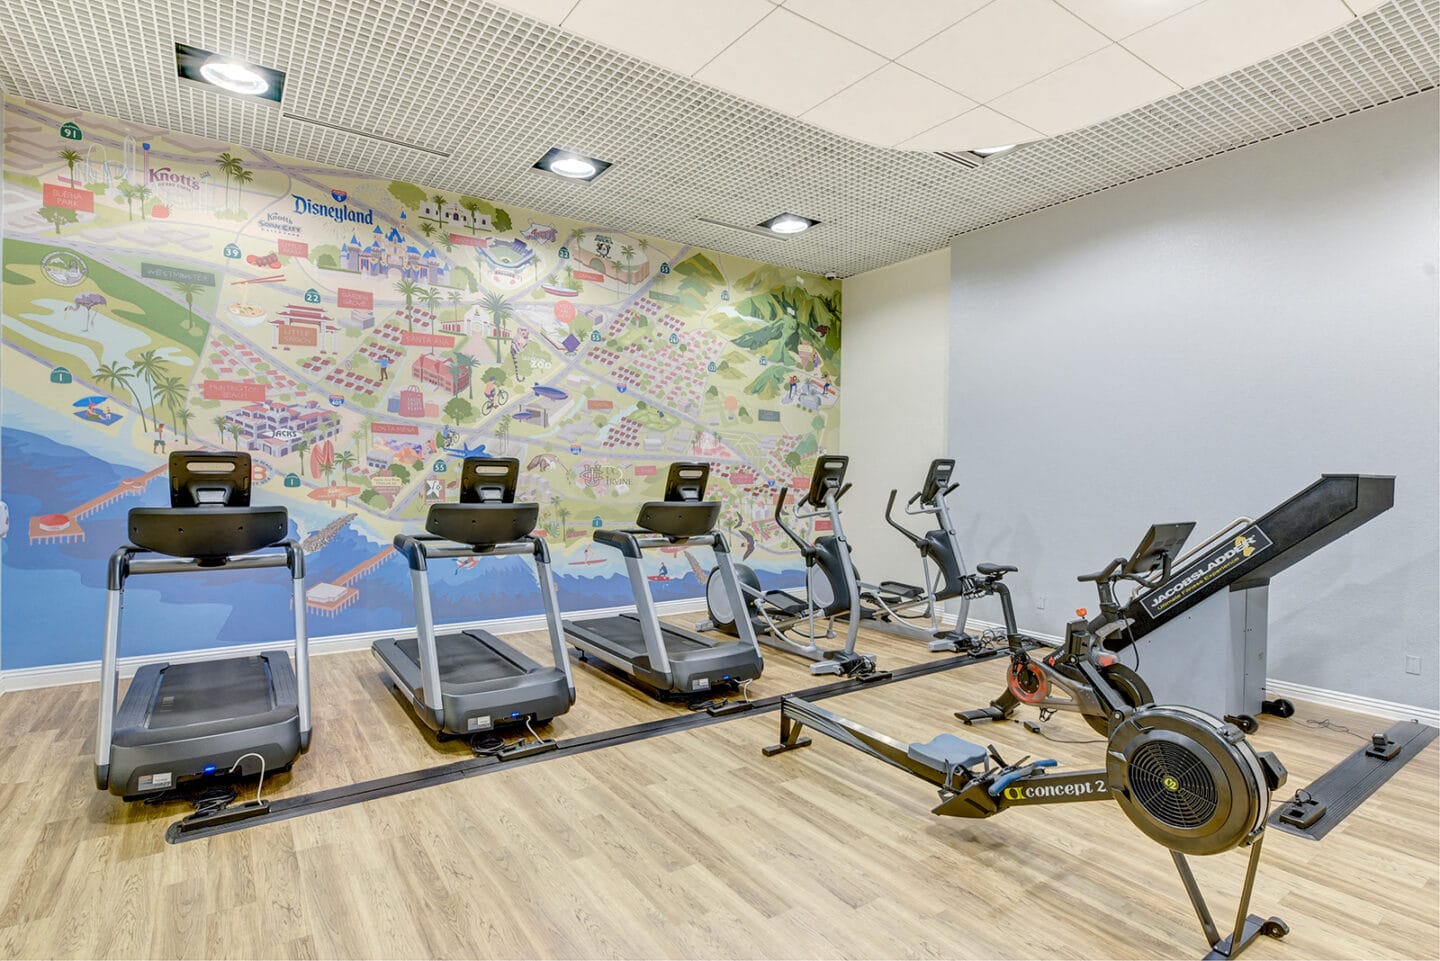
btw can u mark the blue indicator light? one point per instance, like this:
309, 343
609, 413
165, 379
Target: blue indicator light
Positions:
209, 769
515, 714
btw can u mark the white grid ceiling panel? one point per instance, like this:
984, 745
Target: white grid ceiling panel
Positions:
493, 89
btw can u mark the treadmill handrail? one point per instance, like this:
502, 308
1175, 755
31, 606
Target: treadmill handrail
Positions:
417, 549
126, 561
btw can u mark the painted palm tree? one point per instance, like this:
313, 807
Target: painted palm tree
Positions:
114, 377
301, 446
242, 177
229, 166
555, 501
501, 311
407, 288
237, 432
127, 193
428, 228
345, 460
222, 424
188, 291
472, 207
142, 194
151, 366
454, 297
628, 253
502, 432
71, 158
431, 296
470, 361
172, 392
183, 417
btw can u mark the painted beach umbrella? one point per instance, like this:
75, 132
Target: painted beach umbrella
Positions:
90, 401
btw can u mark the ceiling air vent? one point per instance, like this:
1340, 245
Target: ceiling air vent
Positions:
962, 157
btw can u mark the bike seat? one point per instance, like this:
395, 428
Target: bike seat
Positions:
990, 570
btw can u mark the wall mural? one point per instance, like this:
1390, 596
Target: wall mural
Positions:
360, 337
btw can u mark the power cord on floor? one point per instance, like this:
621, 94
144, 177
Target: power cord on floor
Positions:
258, 784
1034, 728
1329, 725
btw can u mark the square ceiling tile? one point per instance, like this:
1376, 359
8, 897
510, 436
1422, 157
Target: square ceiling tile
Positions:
890, 105
551, 11
789, 64
680, 35
1218, 36
1118, 19
889, 29
1104, 84
1003, 46
981, 127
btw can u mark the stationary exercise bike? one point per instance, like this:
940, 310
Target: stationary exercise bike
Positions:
787, 621
1081, 675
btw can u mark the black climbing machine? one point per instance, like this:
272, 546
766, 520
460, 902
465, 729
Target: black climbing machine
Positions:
1189, 781
1198, 621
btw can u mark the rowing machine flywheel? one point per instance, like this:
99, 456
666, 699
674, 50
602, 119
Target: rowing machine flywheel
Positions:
1028, 683
1190, 781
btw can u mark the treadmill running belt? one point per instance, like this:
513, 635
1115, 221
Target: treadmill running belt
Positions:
463, 659
199, 692
624, 631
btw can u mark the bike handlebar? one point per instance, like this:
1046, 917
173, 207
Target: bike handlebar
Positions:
1104, 575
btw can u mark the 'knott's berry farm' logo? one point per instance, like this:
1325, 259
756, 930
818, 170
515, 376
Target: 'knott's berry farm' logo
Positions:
276, 223
338, 212
169, 178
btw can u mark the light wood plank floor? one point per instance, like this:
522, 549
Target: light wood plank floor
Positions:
689, 845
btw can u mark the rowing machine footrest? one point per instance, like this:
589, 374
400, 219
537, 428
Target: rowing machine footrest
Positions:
991, 713
946, 753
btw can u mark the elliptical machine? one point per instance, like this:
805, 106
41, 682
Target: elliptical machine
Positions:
787, 621
1081, 675
890, 604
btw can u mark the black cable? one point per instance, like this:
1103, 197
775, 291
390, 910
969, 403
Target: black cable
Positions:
1035, 728
1330, 725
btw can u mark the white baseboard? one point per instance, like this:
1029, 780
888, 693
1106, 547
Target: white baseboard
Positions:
1352, 702
87, 672
1323, 697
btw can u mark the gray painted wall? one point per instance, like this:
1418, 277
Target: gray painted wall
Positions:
1205, 343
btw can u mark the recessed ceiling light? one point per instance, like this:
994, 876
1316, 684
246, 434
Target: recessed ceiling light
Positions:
570, 165
229, 74
992, 151
789, 224
234, 76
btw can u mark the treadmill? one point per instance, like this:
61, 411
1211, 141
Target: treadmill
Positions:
248, 714
664, 660
469, 682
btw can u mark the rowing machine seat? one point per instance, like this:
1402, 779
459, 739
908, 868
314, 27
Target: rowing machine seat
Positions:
946, 753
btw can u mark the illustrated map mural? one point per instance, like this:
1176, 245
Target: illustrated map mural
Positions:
360, 337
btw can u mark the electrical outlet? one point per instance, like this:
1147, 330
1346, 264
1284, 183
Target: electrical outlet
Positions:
1412, 664
1040, 602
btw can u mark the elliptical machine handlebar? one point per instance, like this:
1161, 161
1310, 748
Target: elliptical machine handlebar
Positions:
909, 535
806, 549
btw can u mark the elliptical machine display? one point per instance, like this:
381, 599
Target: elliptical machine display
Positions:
787, 621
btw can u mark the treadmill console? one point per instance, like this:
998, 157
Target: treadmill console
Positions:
829, 474
1158, 548
204, 479
489, 480
683, 512
937, 479
687, 481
